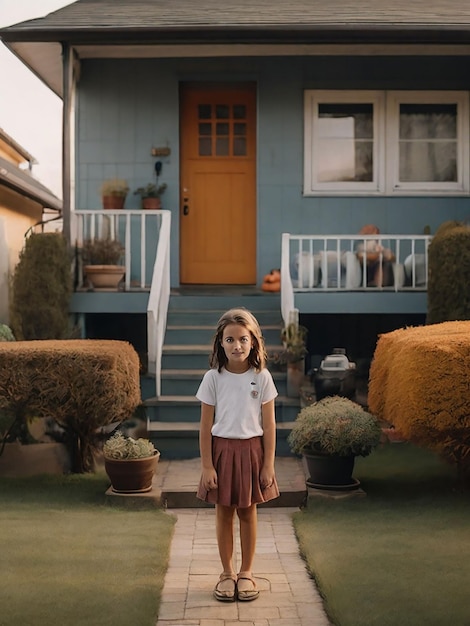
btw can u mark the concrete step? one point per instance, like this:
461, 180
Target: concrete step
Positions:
186, 381
178, 334
182, 408
194, 356
207, 317
180, 440
227, 298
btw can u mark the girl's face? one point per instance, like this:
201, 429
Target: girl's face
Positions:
237, 344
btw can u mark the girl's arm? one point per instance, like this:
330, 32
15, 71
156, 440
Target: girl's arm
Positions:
209, 475
269, 443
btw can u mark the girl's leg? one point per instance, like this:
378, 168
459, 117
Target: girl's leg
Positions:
224, 530
246, 586
248, 531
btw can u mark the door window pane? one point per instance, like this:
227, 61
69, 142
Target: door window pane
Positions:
222, 129
205, 146
239, 146
222, 146
239, 112
222, 111
205, 129
204, 111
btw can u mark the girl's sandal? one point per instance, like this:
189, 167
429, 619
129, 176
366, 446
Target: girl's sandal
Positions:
246, 595
226, 595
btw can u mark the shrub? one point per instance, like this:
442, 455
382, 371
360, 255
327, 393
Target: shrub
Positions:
449, 269
82, 384
41, 289
419, 383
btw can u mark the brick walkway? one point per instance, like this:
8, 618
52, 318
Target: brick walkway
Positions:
288, 595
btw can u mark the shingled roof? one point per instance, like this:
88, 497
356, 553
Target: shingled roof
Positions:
84, 17
92, 25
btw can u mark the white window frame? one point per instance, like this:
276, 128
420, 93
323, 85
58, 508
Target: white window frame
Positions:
313, 99
386, 107
394, 100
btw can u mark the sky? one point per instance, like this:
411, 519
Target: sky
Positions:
29, 111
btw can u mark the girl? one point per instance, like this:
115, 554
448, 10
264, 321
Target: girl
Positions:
237, 442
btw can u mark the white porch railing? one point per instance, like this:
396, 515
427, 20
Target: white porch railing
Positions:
146, 239
326, 263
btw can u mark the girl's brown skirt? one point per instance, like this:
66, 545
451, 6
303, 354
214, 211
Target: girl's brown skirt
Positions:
238, 464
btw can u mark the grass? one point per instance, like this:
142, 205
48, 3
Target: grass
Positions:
69, 558
401, 555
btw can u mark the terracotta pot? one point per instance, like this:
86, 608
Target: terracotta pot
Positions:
113, 203
151, 203
104, 276
131, 475
295, 378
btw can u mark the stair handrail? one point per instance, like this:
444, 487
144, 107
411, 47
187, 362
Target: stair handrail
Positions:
287, 289
159, 297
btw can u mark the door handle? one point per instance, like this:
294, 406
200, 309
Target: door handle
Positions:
185, 209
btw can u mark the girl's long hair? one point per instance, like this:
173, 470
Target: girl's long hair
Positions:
257, 357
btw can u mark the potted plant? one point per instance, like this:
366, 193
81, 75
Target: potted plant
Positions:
130, 463
101, 265
330, 434
293, 337
150, 195
113, 193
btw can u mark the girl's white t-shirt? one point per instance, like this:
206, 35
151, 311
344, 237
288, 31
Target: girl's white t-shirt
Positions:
237, 399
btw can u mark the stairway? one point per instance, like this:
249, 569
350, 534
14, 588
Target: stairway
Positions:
173, 418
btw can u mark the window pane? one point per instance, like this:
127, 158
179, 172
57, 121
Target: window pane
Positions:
222, 111
205, 147
205, 129
239, 146
427, 161
239, 111
345, 143
428, 143
428, 121
222, 146
239, 129
222, 129
204, 111
360, 115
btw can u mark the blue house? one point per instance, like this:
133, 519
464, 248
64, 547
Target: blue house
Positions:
280, 129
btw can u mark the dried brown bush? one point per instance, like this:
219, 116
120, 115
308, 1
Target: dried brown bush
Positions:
82, 384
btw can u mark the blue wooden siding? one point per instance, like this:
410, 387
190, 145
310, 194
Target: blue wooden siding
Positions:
128, 106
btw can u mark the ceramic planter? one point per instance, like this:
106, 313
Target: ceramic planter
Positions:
330, 472
131, 475
104, 276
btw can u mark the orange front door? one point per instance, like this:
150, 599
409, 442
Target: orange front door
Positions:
218, 184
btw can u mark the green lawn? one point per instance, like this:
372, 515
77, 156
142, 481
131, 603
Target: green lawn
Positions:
401, 555
68, 558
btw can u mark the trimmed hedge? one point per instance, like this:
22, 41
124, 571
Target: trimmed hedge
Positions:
41, 289
449, 270
82, 384
419, 382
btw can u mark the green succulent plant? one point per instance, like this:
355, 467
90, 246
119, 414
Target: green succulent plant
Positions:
336, 426
151, 190
120, 446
